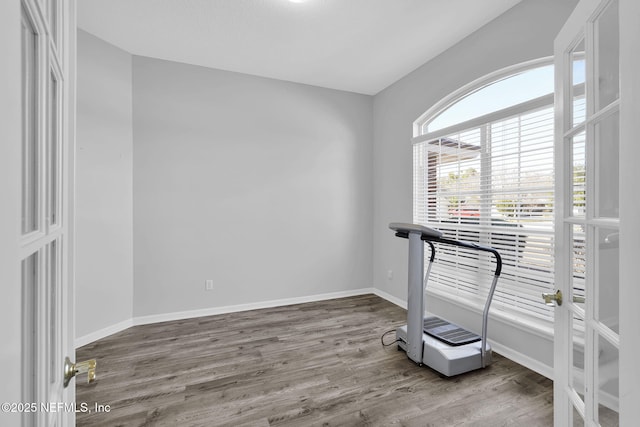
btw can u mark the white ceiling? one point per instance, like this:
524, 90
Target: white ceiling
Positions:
354, 45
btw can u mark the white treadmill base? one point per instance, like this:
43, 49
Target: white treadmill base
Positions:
446, 359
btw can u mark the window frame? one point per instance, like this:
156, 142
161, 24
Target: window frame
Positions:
531, 322
472, 87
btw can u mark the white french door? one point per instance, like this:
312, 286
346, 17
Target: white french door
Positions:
587, 330
47, 31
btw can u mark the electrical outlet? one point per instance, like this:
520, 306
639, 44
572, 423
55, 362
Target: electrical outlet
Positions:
389, 274
208, 285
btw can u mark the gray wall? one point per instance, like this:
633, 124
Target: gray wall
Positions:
263, 186
104, 210
522, 33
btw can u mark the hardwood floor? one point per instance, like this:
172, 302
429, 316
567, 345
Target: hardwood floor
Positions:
310, 364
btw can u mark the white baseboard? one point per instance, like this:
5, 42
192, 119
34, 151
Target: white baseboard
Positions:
102, 333
522, 359
179, 315
390, 298
165, 317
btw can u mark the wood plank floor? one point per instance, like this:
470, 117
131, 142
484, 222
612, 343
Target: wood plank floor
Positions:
310, 364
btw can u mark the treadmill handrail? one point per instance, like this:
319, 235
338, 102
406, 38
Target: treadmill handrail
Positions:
460, 243
472, 245
432, 236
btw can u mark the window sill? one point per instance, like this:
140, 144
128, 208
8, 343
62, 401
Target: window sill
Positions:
529, 324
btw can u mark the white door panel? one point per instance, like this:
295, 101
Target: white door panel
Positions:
43, 248
587, 340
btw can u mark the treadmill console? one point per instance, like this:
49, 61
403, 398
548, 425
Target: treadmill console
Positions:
403, 229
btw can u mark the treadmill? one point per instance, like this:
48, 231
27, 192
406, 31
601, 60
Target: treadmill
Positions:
441, 345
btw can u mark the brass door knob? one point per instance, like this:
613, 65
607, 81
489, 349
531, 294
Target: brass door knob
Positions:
552, 299
72, 369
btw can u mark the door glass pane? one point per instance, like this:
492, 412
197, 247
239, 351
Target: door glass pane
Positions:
607, 136
608, 383
578, 262
30, 152
577, 418
607, 262
607, 79
578, 75
53, 20
53, 302
577, 380
578, 180
53, 149
30, 281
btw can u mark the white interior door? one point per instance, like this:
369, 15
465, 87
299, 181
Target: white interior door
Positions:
47, 31
587, 331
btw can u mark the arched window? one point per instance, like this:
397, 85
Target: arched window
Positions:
484, 172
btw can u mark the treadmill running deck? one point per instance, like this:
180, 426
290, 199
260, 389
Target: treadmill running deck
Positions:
448, 333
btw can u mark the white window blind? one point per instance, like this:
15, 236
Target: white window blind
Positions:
492, 182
